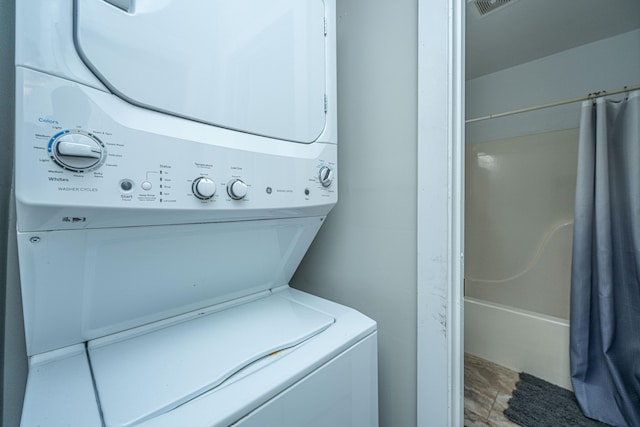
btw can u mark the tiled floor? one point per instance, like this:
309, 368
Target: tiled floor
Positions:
487, 390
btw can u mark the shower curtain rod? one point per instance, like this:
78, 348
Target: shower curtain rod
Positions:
554, 104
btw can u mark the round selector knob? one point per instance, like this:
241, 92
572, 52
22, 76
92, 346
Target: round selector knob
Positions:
77, 151
203, 188
325, 175
237, 189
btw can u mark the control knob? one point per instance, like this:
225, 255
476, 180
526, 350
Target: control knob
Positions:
237, 189
203, 188
76, 151
325, 175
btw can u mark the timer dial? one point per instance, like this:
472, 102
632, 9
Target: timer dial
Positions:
203, 188
77, 151
325, 175
237, 189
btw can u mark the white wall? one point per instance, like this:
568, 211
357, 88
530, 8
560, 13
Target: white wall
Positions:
607, 64
13, 370
365, 254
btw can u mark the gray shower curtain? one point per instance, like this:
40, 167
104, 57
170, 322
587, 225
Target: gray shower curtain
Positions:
605, 273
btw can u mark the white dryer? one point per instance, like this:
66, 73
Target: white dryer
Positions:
174, 161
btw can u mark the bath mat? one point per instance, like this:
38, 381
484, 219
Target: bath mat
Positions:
538, 403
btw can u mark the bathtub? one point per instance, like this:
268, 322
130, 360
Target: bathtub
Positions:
518, 339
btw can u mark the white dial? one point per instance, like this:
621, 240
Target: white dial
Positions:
203, 188
237, 189
77, 151
325, 175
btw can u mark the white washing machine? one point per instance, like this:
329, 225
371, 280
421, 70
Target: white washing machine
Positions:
174, 161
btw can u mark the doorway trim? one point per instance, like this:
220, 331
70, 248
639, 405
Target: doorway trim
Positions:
440, 213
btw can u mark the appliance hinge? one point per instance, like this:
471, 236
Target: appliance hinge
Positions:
325, 103
325, 27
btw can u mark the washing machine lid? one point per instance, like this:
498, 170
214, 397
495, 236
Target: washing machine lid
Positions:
148, 373
257, 66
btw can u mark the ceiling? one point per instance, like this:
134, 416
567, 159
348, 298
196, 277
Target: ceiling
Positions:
525, 30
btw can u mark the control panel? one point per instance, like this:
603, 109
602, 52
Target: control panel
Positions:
85, 166
104, 167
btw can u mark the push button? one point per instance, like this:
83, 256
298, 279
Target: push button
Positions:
126, 185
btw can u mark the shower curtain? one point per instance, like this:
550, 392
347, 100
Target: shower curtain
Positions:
605, 273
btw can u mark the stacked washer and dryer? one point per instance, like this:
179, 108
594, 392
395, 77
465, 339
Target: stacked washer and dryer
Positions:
174, 161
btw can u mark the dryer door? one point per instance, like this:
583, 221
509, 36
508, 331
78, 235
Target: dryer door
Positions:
257, 66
